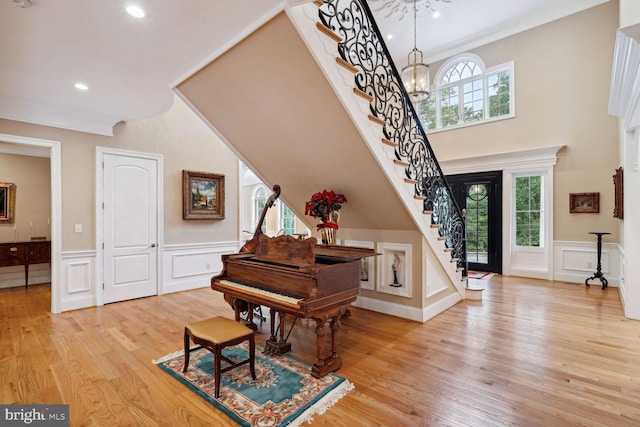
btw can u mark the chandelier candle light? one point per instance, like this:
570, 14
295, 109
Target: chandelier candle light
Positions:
326, 206
415, 76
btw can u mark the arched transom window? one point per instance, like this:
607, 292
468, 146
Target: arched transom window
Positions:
466, 93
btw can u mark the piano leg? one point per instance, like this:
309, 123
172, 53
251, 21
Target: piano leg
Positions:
240, 307
335, 328
332, 363
250, 324
275, 345
272, 315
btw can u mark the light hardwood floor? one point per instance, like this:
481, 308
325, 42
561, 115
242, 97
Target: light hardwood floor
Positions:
531, 353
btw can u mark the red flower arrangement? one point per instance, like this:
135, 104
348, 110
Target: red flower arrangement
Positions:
322, 205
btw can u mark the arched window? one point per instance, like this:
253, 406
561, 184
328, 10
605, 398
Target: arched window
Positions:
466, 92
259, 202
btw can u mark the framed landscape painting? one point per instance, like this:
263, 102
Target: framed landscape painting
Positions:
584, 203
202, 195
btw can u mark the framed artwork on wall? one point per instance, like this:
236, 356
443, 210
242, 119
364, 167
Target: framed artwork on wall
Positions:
394, 269
202, 195
7, 202
618, 210
584, 203
367, 273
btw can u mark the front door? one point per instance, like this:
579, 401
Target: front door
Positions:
130, 212
480, 194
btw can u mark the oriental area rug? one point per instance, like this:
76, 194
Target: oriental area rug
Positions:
283, 394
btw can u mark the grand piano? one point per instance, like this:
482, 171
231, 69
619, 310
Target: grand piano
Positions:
297, 278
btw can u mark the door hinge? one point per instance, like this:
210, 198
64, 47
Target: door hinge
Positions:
103, 286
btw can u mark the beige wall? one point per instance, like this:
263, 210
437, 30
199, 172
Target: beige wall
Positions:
184, 141
32, 177
629, 12
562, 77
413, 238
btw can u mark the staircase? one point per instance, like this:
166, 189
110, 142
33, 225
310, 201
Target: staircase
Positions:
309, 96
399, 140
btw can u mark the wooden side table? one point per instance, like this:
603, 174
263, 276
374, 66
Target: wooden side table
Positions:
25, 253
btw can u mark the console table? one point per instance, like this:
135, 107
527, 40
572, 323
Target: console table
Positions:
25, 253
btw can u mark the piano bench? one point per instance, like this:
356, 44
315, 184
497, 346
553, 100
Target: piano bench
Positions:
215, 334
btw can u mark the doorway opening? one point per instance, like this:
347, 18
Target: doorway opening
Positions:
480, 195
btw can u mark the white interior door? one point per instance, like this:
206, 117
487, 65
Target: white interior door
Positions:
130, 195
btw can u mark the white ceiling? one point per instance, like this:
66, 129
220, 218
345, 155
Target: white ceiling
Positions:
131, 65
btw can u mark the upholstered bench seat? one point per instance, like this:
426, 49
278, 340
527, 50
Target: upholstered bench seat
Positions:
215, 334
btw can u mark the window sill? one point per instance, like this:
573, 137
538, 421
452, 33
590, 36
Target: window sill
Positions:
464, 125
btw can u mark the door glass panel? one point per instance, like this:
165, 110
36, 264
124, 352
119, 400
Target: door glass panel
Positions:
477, 223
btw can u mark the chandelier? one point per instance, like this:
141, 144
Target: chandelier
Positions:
415, 76
402, 7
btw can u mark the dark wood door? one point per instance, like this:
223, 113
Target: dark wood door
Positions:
480, 194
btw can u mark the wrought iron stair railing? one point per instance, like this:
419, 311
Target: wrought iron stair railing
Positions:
363, 47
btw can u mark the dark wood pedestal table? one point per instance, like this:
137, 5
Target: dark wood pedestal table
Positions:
598, 274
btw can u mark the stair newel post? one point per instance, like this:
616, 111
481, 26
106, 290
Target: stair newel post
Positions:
465, 273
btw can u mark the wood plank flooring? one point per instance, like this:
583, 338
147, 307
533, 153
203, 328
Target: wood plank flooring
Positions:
531, 353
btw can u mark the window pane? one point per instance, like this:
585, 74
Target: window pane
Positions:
449, 112
528, 201
427, 113
260, 204
499, 94
473, 101
477, 205
288, 221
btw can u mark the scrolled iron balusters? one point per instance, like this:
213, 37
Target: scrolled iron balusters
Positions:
363, 47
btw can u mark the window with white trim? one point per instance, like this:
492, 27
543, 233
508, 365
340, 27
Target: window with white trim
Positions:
466, 92
259, 202
529, 210
287, 221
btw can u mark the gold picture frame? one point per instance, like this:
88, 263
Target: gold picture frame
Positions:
202, 195
618, 207
584, 203
7, 202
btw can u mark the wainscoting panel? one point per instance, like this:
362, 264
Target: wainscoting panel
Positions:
577, 261
78, 280
192, 266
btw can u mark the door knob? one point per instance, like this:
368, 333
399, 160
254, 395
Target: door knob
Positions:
153, 245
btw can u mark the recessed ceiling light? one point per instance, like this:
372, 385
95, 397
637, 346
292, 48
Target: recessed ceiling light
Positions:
436, 14
389, 36
81, 86
135, 11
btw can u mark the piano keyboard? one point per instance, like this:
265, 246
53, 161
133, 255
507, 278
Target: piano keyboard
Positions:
262, 292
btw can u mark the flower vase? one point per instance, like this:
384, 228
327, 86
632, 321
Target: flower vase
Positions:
328, 235
329, 228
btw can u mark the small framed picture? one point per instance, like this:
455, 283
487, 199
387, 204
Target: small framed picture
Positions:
367, 273
7, 202
394, 269
202, 195
584, 203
